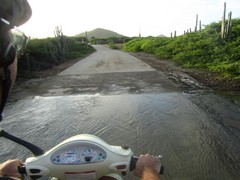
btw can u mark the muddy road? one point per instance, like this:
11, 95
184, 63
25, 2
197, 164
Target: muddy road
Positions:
125, 101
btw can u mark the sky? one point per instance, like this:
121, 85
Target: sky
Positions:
126, 17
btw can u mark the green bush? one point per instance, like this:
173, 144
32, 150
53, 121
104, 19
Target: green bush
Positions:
134, 45
40, 53
203, 49
37, 47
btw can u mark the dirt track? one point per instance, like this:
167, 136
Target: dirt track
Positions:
105, 60
106, 72
186, 79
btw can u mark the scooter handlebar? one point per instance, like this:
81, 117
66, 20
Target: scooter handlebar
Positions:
132, 166
81, 155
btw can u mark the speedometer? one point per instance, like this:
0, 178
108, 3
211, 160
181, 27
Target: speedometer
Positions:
75, 154
89, 155
69, 156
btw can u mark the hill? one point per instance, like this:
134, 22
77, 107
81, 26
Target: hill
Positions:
100, 33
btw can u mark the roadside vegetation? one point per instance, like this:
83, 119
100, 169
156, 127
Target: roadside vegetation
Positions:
46, 53
42, 54
204, 49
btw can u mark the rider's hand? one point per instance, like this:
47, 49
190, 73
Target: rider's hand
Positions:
148, 163
10, 169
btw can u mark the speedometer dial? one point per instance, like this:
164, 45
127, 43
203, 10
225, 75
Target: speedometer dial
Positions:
75, 154
69, 156
89, 155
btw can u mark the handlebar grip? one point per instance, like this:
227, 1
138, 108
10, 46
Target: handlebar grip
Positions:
133, 163
22, 169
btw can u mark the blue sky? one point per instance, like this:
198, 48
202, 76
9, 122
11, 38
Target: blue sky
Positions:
127, 17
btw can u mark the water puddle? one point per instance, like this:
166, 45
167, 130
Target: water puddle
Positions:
169, 124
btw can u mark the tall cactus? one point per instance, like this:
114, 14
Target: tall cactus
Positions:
196, 23
60, 42
223, 29
229, 25
58, 48
226, 27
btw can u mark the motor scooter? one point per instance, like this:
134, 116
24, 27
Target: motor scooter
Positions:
83, 156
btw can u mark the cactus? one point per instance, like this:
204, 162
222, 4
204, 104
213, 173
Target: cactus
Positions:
223, 30
60, 42
58, 49
229, 26
226, 27
196, 23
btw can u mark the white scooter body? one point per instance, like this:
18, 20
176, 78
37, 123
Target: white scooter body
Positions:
83, 156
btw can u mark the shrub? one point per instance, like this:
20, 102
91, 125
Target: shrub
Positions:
203, 49
41, 57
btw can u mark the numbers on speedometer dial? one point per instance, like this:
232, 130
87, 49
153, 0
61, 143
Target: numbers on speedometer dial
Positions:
69, 156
